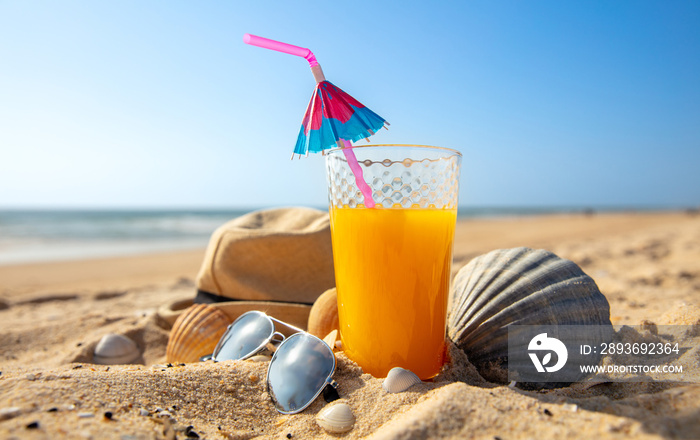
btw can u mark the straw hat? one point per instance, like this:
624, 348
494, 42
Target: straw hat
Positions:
277, 261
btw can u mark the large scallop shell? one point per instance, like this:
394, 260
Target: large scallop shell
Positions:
195, 333
336, 418
323, 317
519, 286
114, 349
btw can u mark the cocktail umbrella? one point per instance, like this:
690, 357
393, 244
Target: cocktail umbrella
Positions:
333, 118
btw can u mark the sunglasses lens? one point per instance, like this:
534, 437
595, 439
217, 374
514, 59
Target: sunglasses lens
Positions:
299, 371
246, 336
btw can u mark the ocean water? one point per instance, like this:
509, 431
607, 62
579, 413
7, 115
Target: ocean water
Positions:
53, 235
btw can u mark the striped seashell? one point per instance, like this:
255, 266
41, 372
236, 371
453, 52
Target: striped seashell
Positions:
114, 349
336, 418
195, 333
519, 286
399, 379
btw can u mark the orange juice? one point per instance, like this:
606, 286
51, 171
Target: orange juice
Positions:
392, 272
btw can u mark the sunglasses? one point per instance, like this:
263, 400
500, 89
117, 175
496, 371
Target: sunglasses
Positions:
302, 365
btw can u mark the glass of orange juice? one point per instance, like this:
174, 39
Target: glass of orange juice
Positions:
392, 261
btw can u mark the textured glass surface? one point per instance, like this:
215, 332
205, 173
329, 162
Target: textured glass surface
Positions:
399, 176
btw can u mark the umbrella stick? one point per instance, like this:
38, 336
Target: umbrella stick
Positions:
357, 171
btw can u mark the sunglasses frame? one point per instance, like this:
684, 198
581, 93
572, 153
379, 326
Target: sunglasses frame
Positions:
273, 345
327, 381
269, 344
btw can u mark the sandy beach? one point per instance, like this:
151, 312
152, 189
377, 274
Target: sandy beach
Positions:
53, 314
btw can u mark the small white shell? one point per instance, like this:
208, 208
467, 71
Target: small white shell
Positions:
115, 349
336, 418
399, 379
10, 413
260, 358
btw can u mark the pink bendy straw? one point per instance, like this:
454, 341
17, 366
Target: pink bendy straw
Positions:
316, 70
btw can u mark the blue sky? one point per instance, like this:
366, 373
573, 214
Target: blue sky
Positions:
160, 104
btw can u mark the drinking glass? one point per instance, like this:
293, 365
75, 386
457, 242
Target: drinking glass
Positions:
393, 261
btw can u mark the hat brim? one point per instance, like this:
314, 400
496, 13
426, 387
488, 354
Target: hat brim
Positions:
292, 313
